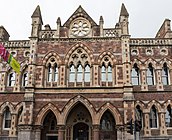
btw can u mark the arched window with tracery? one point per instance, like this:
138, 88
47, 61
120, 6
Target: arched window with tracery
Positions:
165, 74
135, 75
106, 70
79, 67
168, 116
52, 70
150, 75
153, 117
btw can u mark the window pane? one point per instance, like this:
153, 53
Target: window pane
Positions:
135, 75
79, 74
87, 73
109, 74
7, 119
153, 117
25, 79
55, 73
12, 79
72, 74
103, 73
165, 76
49, 73
168, 116
150, 77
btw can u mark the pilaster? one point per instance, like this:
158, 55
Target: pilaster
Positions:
146, 125
61, 132
12, 131
144, 86
96, 129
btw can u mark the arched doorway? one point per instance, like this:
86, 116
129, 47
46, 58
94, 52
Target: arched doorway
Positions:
78, 123
107, 127
49, 130
80, 131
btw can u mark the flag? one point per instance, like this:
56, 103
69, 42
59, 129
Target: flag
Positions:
9, 59
15, 65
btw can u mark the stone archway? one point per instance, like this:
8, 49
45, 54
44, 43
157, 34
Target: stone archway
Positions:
79, 123
49, 130
108, 127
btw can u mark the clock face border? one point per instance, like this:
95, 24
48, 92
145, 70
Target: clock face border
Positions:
80, 27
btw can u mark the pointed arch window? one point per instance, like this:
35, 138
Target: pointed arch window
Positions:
109, 73
7, 119
55, 73
11, 79
165, 75
103, 73
150, 75
50, 73
72, 73
25, 79
168, 116
87, 73
79, 73
135, 75
153, 117
106, 71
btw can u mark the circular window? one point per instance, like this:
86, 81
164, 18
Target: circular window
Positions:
80, 28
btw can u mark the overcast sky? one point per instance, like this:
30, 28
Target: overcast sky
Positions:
145, 16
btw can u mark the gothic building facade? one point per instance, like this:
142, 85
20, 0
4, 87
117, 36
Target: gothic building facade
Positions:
82, 81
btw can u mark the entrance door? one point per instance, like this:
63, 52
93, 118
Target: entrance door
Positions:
80, 131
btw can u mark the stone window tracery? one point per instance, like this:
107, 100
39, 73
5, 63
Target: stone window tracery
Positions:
80, 27
52, 70
106, 70
79, 70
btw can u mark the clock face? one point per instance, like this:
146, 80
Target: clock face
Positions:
80, 28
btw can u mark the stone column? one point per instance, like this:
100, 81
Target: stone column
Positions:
25, 132
37, 133
96, 132
120, 132
61, 132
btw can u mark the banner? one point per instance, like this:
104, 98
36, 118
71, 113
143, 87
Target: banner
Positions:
9, 59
